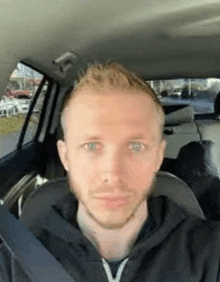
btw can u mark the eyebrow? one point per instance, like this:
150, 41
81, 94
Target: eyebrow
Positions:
95, 137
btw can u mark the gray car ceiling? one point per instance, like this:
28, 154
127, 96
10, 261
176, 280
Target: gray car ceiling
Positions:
158, 39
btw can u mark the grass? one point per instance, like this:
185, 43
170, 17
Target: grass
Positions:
10, 124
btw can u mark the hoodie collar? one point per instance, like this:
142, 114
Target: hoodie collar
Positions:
164, 216
61, 220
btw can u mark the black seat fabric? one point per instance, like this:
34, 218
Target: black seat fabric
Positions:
217, 106
195, 166
41, 200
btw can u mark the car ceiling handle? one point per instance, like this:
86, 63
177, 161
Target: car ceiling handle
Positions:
35, 259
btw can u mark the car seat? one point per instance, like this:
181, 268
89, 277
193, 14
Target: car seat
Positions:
180, 128
209, 129
195, 166
41, 200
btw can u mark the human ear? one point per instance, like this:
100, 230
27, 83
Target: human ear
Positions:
62, 151
161, 152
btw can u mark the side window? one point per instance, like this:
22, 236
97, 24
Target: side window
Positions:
15, 104
200, 93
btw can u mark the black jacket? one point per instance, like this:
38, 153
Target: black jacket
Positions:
177, 247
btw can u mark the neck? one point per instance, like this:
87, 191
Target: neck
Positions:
112, 244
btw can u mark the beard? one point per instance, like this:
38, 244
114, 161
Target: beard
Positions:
75, 189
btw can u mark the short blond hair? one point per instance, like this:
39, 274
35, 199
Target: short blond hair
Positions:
111, 76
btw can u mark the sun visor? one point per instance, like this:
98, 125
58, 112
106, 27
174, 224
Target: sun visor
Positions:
178, 114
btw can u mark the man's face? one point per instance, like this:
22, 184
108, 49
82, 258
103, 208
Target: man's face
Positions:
111, 152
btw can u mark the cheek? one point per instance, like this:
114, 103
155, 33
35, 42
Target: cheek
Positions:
146, 162
141, 177
140, 174
82, 170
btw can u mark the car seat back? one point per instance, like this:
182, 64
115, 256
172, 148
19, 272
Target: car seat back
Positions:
179, 128
210, 130
195, 166
41, 200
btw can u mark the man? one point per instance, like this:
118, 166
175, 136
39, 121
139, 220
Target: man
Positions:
109, 228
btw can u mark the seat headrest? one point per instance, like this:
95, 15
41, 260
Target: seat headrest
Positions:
196, 166
179, 115
197, 158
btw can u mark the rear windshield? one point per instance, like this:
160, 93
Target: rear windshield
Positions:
200, 93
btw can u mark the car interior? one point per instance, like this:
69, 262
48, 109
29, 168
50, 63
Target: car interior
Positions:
174, 44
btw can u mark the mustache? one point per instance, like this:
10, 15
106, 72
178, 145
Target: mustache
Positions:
106, 189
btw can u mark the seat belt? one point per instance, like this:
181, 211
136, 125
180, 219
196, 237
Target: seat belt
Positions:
34, 258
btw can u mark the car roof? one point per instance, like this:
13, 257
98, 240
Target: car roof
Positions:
157, 39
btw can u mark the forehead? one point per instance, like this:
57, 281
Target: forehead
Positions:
110, 111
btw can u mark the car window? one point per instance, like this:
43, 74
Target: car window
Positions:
15, 104
200, 93
35, 116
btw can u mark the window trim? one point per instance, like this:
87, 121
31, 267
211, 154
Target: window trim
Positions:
44, 108
27, 119
53, 108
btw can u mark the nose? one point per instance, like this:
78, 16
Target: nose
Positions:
113, 168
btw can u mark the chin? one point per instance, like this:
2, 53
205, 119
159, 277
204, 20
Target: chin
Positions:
112, 224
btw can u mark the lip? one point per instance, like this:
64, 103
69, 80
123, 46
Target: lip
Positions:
114, 202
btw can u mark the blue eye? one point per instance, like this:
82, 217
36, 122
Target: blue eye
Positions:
92, 146
137, 146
